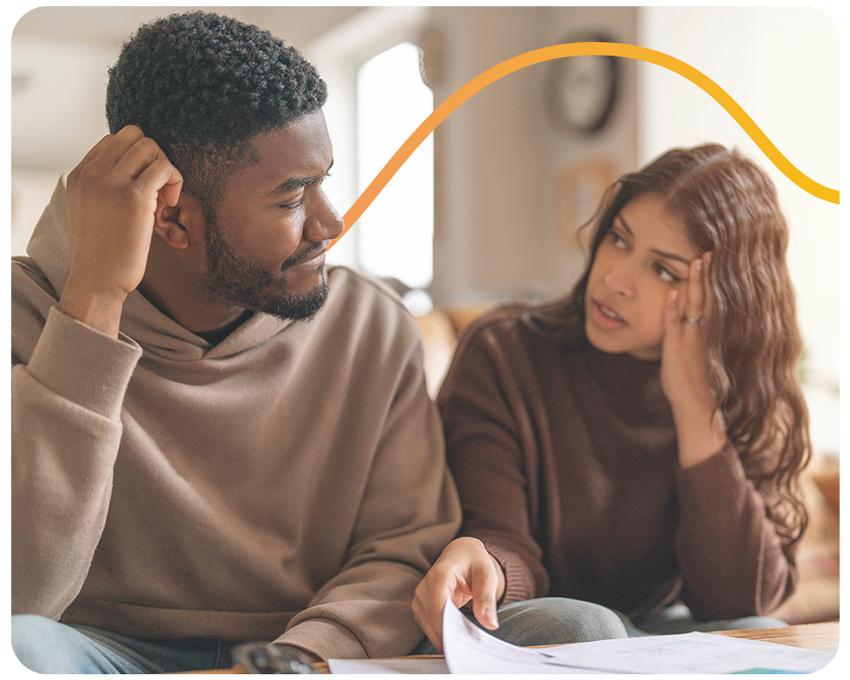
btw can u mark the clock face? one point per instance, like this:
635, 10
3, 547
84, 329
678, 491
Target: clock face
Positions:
581, 91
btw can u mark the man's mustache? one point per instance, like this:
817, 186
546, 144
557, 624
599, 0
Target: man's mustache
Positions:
308, 254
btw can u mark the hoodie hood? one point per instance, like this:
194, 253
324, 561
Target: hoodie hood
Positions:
158, 334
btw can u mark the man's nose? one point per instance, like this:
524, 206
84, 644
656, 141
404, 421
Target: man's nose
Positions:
323, 222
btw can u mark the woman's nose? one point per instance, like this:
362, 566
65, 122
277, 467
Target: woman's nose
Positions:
620, 279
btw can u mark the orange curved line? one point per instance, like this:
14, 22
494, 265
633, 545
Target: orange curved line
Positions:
569, 50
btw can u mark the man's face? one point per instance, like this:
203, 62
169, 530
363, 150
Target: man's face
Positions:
266, 245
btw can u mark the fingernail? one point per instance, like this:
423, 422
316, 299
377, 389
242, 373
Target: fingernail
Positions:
699, 264
674, 294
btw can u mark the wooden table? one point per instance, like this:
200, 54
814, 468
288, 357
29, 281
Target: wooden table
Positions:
808, 635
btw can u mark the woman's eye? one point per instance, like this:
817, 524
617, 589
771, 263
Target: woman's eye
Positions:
616, 239
666, 275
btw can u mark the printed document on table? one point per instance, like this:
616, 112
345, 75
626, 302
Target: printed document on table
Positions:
690, 653
468, 649
410, 666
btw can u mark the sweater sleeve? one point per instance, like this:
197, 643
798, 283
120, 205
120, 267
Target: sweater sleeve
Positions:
409, 512
736, 564
493, 459
66, 403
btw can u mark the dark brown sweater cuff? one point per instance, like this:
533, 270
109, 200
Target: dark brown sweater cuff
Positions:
519, 586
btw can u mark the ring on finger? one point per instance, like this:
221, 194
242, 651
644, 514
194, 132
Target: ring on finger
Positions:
692, 321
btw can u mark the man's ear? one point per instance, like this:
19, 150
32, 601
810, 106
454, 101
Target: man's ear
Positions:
179, 225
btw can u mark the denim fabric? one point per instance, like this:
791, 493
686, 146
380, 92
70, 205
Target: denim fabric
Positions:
46, 646
548, 621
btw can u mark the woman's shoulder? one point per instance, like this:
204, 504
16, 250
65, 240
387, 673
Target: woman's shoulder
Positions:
510, 341
556, 322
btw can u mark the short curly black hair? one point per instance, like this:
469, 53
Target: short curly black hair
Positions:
202, 85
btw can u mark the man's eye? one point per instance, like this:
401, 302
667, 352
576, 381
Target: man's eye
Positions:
291, 206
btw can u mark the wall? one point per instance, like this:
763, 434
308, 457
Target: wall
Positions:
60, 57
498, 158
781, 65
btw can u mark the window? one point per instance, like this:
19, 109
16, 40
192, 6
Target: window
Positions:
395, 234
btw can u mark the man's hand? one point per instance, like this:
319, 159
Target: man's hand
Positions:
464, 571
113, 196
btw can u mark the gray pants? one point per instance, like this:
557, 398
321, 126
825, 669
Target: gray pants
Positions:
559, 620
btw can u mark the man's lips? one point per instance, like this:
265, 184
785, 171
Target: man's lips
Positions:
314, 256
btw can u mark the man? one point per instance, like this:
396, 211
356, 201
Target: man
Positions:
215, 439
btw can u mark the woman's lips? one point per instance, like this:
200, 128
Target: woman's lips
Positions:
606, 318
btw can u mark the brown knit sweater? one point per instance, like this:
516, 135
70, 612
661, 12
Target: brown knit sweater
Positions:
566, 462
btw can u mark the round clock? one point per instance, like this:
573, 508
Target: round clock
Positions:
581, 91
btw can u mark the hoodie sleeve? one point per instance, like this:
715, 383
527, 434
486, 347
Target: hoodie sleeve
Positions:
68, 385
409, 512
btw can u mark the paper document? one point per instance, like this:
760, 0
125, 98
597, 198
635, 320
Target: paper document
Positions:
690, 653
411, 666
469, 649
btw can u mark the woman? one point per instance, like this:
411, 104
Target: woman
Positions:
636, 444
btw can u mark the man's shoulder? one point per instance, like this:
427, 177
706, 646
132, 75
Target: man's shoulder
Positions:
30, 286
366, 311
32, 298
360, 293
371, 288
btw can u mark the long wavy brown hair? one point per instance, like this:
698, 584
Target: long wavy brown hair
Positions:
729, 207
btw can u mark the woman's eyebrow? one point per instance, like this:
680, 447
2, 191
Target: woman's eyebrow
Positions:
660, 253
625, 225
672, 256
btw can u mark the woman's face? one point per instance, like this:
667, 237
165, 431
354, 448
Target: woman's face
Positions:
643, 256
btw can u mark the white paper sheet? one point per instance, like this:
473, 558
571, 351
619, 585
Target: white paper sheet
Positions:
690, 653
410, 666
468, 650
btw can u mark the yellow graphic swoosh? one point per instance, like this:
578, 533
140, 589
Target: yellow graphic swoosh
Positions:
570, 50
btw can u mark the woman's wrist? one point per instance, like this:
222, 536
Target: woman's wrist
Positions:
502, 581
700, 433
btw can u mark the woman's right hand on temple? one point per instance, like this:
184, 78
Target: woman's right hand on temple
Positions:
464, 571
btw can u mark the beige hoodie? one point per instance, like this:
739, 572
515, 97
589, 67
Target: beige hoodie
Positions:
288, 483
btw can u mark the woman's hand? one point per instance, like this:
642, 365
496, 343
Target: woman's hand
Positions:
684, 367
464, 571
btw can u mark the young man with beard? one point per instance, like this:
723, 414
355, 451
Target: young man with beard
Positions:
214, 438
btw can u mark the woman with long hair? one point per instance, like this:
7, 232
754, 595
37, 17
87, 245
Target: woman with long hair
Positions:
634, 447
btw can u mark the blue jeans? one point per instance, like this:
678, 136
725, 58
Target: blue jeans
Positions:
549, 621
46, 646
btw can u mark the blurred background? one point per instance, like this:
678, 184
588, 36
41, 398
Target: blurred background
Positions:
487, 208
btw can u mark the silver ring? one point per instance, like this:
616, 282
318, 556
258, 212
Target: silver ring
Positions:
693, 322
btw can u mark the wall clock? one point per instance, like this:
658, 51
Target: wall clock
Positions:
581, 91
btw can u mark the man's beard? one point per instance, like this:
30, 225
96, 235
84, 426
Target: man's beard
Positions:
232, 277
